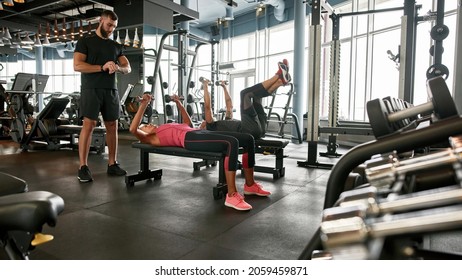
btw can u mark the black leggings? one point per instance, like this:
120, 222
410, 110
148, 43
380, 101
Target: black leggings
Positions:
253, 115
227, 142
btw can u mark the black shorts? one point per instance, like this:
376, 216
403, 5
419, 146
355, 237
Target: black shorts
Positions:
94, 101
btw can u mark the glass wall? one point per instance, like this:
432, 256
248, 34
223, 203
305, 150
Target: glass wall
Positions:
368, 43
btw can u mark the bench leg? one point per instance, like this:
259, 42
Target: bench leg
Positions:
279, 170
221, 189
145, 173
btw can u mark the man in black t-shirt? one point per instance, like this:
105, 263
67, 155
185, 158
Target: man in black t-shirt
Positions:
98, 58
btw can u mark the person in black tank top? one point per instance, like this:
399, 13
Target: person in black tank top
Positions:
253, 116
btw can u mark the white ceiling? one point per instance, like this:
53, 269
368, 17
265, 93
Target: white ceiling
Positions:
211, 10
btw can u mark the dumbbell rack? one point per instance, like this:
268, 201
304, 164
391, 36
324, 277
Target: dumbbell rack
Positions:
392, 179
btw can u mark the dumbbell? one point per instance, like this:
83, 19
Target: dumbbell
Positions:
353, 230
383, 121
218, 83
384, 174
168, 98
370, 202
201, 79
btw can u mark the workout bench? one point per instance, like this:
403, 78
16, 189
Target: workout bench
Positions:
147, 174
273, 147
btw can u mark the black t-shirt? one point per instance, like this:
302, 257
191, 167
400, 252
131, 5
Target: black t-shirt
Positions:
98, 52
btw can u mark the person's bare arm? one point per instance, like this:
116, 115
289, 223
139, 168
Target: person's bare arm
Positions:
184, 114
136, 121
123, 65
228, 102
207, 102
80, 65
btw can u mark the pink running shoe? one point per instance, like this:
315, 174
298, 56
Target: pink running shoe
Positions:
237, 202
255, 189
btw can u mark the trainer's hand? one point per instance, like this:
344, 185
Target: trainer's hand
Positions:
111, 67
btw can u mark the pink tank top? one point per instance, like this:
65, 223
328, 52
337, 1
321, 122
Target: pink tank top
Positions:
173, 134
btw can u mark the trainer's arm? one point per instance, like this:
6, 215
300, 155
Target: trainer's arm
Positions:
123, 65
80, 64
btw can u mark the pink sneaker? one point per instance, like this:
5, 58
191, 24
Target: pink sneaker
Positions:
255, 189
237, 202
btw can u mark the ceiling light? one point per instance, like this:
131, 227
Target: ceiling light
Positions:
118, 40
56, 31
46, 42
7, 34
127, 39
261, 8
37, 42
81, 28
72, 31
47, 32
64, 31
27, 40
1, 7
136, 39
20, 1
8, 3
16, 39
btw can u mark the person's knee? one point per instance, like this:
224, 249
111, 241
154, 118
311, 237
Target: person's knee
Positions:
110, 125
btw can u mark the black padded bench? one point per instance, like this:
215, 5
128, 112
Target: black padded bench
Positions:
146, 174
272, 147
98, 138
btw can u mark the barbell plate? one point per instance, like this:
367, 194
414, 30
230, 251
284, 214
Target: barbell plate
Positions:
378, 118
439, 32
436, 70
17, 131
16, 103
443, 103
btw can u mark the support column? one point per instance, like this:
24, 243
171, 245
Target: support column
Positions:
298, 73
457, 85
39, 70
314, 88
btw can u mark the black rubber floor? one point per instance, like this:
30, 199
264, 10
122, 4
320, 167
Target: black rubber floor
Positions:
172, 218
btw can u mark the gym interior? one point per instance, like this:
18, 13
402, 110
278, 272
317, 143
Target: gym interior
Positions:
359, 155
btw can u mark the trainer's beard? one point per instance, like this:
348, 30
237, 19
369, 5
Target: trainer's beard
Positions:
104, 33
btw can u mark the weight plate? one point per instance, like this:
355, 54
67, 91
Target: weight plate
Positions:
439, 32
432, 50
17, 131
436, 70
378, 118
16, 103
443, 103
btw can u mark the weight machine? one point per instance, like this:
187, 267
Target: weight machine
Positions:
182, 39
406, 65
47, 127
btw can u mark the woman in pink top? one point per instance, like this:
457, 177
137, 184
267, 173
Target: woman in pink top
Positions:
183, 135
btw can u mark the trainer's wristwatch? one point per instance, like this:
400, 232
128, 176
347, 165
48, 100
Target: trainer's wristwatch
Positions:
102, 69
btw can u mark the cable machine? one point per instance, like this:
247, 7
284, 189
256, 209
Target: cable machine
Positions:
184, 70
